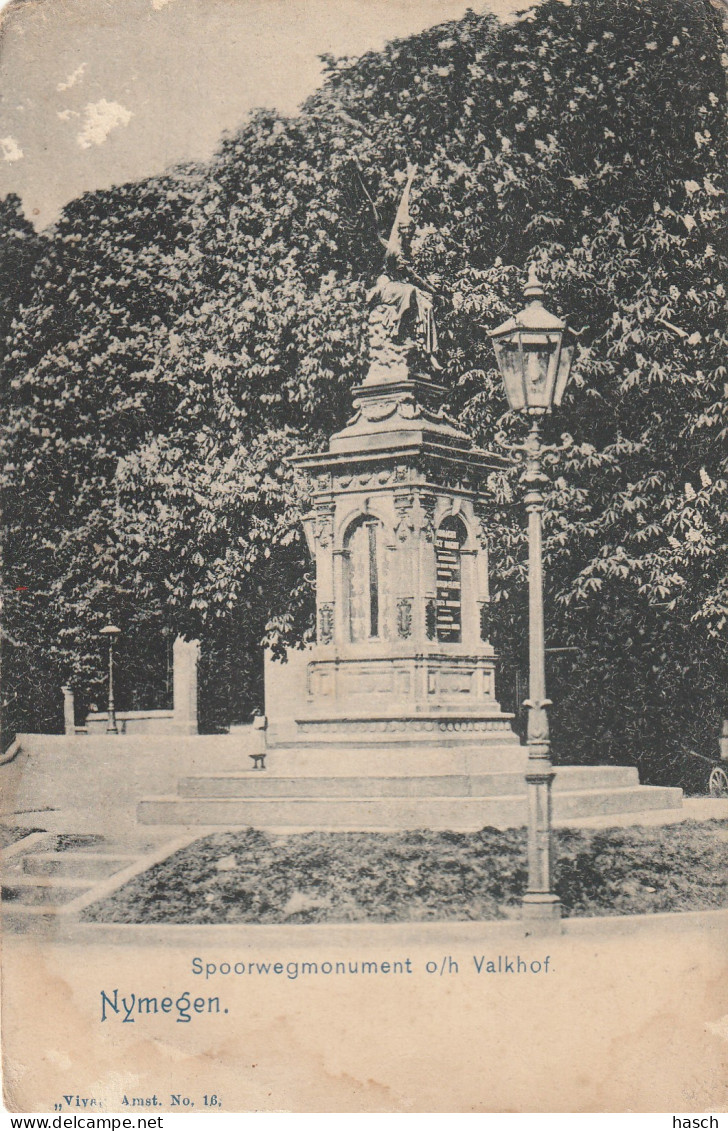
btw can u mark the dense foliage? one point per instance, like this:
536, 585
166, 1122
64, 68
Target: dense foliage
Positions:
186, 334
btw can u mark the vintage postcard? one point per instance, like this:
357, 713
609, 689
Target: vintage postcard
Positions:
364, 557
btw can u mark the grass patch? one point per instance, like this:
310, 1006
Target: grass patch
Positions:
249, 876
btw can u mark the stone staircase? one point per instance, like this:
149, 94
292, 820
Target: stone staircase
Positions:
393, 788
47, 875
72, 799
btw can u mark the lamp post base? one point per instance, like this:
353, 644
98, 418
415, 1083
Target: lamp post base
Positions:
541, 913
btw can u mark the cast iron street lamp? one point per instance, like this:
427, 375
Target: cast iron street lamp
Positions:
111, 631
534, 350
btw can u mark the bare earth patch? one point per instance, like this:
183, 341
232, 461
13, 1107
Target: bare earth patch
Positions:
250, 876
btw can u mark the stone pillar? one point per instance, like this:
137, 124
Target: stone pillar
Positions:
185, 658
69, 710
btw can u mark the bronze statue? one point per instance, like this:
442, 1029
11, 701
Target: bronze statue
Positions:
401, 307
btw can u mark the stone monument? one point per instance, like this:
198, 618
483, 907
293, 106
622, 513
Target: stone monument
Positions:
400, 543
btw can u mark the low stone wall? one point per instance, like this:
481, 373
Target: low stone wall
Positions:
93, 783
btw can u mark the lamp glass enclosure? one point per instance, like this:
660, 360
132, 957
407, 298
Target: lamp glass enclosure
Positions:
534, 367
534, 351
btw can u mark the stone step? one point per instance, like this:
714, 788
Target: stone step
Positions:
356, 760
254, 784
459, 813
83, 865
593, 803
42, 889
39, 920
84, 843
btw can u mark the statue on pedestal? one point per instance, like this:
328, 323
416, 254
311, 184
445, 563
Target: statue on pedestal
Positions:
401, 306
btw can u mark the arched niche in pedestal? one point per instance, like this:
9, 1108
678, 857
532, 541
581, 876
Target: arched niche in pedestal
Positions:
364, 568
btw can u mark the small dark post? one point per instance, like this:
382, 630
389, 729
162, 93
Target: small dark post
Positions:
111, 631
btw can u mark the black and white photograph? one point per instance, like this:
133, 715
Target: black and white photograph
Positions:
364, 696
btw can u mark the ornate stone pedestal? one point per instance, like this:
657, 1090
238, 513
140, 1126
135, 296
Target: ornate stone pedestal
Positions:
401, 550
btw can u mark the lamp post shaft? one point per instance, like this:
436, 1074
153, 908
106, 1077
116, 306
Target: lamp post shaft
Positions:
536, 656
539, 902
111, 727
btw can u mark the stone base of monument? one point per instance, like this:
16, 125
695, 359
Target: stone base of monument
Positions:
385, 759
363, 704
458, 798
459, 773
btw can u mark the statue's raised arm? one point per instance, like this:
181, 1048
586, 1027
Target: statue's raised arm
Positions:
401, 307
402, 224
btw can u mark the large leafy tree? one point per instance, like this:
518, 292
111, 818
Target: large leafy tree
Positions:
20, 248
80, 394
224, 309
